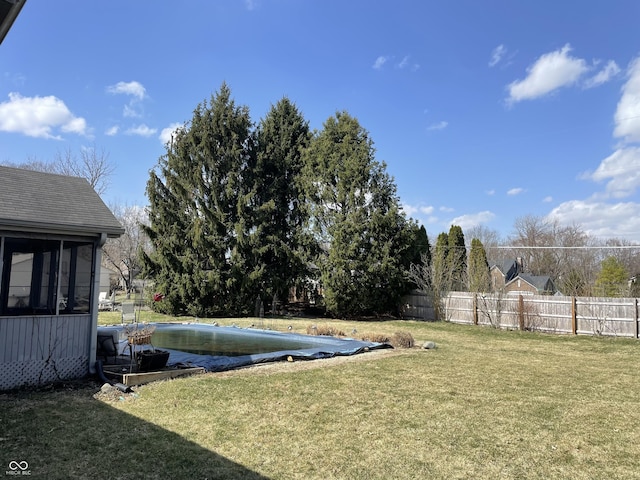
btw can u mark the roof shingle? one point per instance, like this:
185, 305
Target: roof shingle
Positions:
49, 202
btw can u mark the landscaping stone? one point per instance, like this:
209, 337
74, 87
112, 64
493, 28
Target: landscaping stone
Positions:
429, 345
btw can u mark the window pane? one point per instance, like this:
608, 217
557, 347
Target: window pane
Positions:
20, 280
75, 281
29, 276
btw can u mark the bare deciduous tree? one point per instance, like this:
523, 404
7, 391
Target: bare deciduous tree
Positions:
123, 253
560, 251
433, 281
92, 164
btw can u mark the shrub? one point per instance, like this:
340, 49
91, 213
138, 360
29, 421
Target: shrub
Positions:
375, 337
402, 340
324, 330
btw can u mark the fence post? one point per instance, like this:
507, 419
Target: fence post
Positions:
521, 312
574, 314
635, 322
475, 308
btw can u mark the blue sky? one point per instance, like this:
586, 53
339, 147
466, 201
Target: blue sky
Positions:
484, 111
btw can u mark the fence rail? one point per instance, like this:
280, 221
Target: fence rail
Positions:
563, 315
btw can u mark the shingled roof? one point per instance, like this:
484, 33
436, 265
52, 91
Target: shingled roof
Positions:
50, 203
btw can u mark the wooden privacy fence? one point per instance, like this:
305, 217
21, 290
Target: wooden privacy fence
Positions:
568, 315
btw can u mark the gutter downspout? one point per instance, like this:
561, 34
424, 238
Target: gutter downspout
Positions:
93, 340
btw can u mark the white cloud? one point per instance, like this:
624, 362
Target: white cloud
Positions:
167, 133
406, 63
600, 219
380, 61
39, 117
438, 126
548, 199
141, 130
515, 191
497, 55
610, 70
135, 89
622, 167
550, 72
471, 220
112, 131
627, 116
250, 4
447, 209
490, 192
413, 209
130, 111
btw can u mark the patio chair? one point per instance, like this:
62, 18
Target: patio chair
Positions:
105, 303
128, 312
106, 347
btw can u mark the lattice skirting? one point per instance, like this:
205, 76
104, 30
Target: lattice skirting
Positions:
41, 372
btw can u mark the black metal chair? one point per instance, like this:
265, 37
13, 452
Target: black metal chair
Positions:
106, 347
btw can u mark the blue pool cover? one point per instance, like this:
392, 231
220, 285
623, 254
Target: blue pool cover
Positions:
190, 343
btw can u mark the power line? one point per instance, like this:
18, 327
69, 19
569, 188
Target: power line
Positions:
584, 247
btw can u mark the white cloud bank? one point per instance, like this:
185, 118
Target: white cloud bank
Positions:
601, 219
620, 170
627, 115
39, 117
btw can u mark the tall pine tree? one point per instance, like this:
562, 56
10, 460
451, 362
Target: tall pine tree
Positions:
198, 212
356, 216
277, 239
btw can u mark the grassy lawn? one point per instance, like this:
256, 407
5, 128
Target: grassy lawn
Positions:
484, 404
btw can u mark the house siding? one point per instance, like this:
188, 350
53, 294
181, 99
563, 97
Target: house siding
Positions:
43, 349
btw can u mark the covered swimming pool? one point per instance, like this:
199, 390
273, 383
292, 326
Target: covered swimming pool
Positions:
217, 348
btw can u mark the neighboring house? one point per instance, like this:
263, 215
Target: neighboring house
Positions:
108, 277
525, 284
52, 229
502, 273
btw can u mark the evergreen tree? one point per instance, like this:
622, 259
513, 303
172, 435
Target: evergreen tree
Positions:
198, 212
357, 220
479, 279
440, 254
277, 240
420, 248
613, 278
441, 277
418, 258
457, 259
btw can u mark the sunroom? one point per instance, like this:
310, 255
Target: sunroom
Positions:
52, 229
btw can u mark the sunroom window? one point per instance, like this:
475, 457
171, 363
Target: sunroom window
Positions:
30, 271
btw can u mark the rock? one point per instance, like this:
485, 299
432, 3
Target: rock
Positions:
107, 388
289, 358
429, 345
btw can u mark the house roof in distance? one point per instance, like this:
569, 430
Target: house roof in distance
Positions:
46, 202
